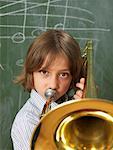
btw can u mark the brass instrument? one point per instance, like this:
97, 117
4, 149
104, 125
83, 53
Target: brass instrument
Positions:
85, 124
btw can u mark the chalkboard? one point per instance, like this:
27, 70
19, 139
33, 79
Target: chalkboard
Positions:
22, 20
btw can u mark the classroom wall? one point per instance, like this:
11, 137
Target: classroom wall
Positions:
22, 20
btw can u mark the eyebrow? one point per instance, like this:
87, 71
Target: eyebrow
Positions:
65, 70
62, 70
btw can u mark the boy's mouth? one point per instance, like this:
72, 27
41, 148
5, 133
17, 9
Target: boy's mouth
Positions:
50, 94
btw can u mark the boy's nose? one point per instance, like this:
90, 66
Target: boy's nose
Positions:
53, 83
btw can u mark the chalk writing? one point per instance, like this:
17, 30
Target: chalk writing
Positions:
23, 9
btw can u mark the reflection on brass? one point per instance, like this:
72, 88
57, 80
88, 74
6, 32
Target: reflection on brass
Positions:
85, 130
85, 124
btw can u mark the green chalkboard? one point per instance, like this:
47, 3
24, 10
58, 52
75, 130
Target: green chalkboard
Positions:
22, 20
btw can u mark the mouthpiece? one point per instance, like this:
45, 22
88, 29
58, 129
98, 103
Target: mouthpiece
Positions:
49, 93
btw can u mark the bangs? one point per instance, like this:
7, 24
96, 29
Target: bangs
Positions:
50, 57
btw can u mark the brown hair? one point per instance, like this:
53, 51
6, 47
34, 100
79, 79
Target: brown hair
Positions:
52, 42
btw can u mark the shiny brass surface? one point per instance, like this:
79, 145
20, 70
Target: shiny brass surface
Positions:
85, 124
85, 130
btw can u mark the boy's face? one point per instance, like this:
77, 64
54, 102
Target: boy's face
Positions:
56, 76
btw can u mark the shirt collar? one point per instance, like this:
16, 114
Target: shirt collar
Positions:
39, 101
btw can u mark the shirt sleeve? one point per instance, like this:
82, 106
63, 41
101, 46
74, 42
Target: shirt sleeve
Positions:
22, 131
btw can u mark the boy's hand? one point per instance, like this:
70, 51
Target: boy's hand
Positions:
79, 93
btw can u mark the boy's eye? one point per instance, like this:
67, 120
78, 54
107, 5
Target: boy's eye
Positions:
44, 72
64, 75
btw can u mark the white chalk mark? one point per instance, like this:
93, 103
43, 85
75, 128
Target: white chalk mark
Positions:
102, 29
20, 62
36, 32
11, 4
1, 67
65, 14
24, 22
47, 11
51, 5
61, 16
20, 99
58, 26
32, 7
19, 37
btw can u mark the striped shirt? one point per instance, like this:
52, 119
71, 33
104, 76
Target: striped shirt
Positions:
27, 120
